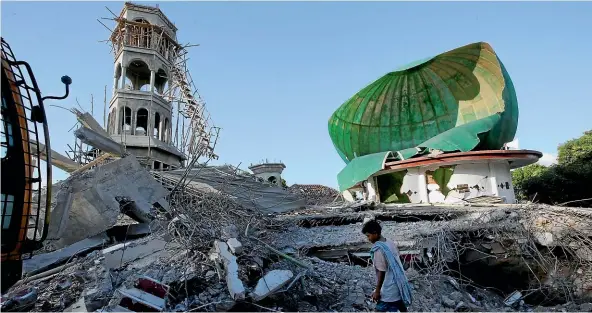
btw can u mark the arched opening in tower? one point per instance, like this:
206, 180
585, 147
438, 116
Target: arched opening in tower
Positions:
126, 120
272, 179
161, 82
155, 133
141, 122
139, 74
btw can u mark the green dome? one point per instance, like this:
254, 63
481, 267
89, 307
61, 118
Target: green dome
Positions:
405, 108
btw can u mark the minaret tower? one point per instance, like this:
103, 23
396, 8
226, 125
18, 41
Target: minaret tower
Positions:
140, 116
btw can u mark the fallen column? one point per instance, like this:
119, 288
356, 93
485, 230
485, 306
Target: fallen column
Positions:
87, 204
60, 161
223, 255
97, 140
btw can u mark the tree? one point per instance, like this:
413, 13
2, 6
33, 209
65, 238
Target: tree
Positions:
284, 184
525, 174
565, 182
579, 149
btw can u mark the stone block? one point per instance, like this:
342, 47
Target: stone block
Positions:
270, 283
235, 246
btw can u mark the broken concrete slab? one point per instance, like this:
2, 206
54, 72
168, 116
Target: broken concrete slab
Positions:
141, 296
97, 140
243, 188
139, 210
78, 306
86, 205
121, 254
89, 121
41, 262
233, 282
270, 283
235, 246
230, 231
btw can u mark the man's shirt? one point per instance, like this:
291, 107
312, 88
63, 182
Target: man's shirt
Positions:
389, 291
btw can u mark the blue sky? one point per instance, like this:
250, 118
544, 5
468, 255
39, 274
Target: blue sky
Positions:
273, 72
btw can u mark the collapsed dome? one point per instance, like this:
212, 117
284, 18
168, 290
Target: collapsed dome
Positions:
417, 102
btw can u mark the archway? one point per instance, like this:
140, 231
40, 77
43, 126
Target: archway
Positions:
139, 74
141, 122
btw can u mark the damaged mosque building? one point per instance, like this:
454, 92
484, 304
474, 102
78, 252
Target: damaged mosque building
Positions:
143, 223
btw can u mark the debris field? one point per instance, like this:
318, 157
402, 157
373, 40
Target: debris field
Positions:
208, 239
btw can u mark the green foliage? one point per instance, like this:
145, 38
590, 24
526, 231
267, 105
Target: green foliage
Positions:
564, 182
523, 174
579, 149
284, 184
389, 188
442, 176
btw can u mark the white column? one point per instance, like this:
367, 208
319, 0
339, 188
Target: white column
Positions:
422, 186
494, 189
123, 73
372, 190
152, 78
160, 123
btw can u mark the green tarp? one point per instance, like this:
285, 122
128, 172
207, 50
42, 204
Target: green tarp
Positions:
462, 138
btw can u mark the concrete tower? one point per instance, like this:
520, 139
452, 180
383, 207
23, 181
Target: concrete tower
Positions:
140, 117
270, 172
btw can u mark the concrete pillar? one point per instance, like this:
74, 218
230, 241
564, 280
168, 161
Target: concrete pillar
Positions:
123, 73
160, 136
117, 123
422, 186
133, 122
115, 85
152, 78
372, 189
493, 179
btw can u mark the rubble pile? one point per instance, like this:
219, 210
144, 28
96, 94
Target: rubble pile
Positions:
315, 194
204, 240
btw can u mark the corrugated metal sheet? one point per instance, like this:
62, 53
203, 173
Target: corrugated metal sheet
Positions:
462, 138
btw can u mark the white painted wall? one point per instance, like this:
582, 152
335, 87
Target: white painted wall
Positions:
503, 177
412, 186
477, 176
483, 179
372, 189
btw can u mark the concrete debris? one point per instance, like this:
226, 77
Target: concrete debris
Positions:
242, 187
20, 300
513, 298
447, 302
230, 231
127, 240
270, 283
98, 140
123, 253
57, 159
42, 261
235, 246
78, 306
315, 194
234, 283
146, 295
86, 204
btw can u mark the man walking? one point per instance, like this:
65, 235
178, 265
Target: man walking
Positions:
392, 292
